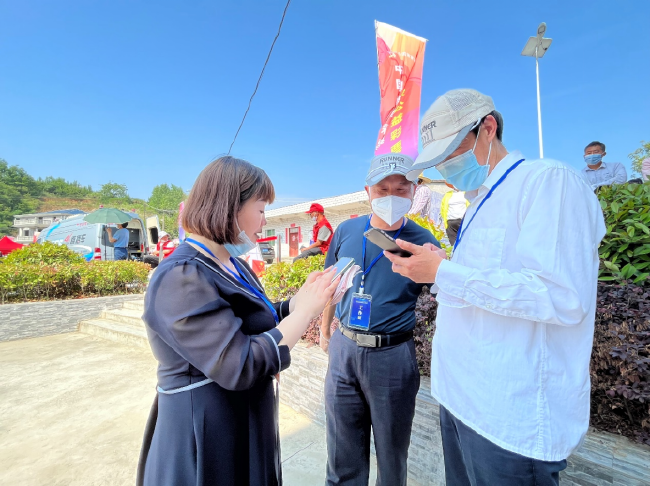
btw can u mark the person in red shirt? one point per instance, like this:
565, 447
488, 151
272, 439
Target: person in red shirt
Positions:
166, 245
322, 235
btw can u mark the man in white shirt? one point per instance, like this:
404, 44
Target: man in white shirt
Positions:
517, 301
422, 200
597, 172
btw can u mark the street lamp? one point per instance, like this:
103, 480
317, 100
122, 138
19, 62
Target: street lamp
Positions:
536, 47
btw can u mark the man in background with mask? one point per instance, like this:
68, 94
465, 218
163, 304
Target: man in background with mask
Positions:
373, 376
517, 301
322, 233
597, 172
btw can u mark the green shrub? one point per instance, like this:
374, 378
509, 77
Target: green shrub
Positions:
438, 233
282, 280
625, 250
28, 282
47, 253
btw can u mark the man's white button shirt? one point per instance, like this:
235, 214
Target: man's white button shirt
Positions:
515, 323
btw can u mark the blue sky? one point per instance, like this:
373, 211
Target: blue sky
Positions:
149, 92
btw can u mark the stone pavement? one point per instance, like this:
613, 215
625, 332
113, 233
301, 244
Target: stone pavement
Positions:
74, 407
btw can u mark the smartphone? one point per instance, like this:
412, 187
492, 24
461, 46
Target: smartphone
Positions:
341, 266
385, 242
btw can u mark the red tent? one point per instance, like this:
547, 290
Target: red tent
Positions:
7, 245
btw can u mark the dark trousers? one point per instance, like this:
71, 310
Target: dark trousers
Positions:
309, 253
472, 460
367, 387
452, 229
120, 253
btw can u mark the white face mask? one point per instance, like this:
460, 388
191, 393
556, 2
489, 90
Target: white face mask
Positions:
314, 218
244, 246
391, 208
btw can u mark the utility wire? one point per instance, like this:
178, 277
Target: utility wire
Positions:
261, 74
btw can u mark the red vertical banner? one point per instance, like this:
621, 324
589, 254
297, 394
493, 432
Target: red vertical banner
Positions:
400, 60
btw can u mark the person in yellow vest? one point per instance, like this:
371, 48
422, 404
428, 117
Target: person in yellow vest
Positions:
452, 210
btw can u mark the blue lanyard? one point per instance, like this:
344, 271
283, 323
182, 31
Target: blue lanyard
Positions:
241, 278
381, 254
461, 233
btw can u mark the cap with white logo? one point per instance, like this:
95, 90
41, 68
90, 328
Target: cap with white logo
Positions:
385, 165
446, 124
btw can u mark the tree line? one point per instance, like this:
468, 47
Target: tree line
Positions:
21, 193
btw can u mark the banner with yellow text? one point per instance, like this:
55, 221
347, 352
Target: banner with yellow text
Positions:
400, 59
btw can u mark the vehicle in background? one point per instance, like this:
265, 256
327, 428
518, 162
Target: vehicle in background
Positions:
153, 225
91, 239
268, 251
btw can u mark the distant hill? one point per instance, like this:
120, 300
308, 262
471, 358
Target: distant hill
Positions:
53, 203
20, 193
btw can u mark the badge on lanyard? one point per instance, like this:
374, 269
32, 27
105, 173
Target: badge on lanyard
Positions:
360, 311
361, 302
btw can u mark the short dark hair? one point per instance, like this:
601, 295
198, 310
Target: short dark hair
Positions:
498, 118
124, 225
596, 144
218, 194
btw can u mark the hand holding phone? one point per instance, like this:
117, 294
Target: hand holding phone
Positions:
386, 242
341, 266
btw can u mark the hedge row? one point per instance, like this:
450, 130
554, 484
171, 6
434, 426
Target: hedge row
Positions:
620, 361
50, 271
42, 282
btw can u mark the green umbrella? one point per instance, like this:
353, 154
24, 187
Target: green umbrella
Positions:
107, 215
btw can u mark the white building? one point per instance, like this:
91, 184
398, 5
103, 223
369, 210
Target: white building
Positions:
30, 224
294, 228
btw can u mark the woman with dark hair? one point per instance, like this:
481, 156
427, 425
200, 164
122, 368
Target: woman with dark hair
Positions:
219, 341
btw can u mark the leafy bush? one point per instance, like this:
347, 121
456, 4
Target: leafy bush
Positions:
426, 309
625, 250
620, 362
41, 282
282, 280
639, 155
438, 233
47, 253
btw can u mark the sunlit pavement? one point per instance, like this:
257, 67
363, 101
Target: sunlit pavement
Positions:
73, 408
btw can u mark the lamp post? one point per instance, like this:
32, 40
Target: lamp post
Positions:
536, 47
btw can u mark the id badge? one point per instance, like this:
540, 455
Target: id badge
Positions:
360, 311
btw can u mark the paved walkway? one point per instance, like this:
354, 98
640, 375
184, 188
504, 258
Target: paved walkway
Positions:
73, 410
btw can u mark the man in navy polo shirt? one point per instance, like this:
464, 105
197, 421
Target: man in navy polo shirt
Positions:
373, 377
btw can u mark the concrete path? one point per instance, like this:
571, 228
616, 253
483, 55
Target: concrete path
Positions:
73, 408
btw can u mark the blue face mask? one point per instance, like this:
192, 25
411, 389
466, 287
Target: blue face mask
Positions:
242, 248
463, 171
593, 159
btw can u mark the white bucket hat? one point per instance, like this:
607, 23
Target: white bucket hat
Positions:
446, 124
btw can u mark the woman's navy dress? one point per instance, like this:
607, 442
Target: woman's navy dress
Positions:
202, 324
